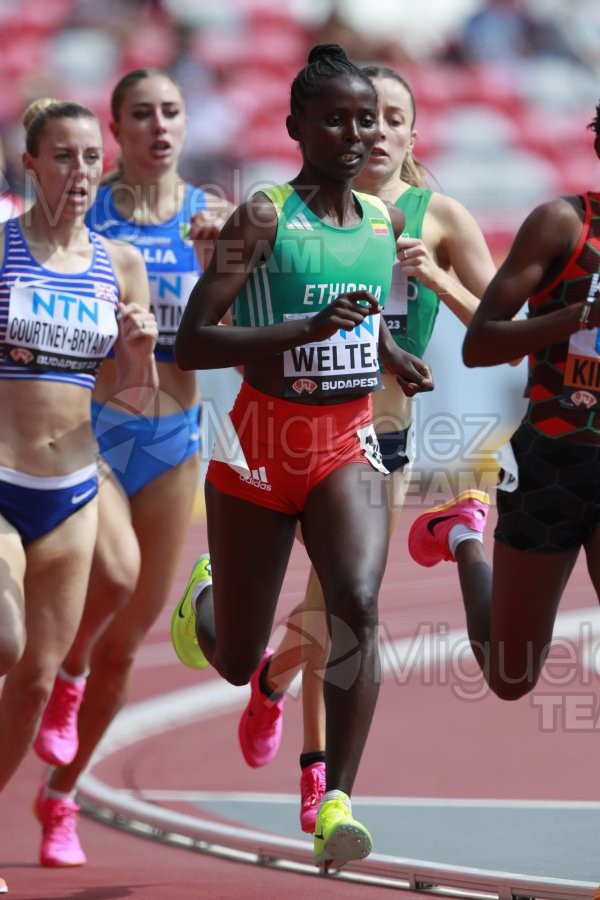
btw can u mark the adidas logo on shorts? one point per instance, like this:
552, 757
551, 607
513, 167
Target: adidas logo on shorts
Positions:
257, 478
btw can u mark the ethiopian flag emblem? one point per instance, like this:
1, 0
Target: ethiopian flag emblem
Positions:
379, 226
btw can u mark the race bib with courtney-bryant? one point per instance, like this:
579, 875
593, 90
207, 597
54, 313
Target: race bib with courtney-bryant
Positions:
54, 330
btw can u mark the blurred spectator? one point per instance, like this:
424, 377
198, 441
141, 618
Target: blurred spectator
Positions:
337, 29
233, 59
504, 31
396, 29
212, 123
114, 14
579, 23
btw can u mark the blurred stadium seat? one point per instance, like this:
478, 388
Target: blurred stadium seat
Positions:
499, 137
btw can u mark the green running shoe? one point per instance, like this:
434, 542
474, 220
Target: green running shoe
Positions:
339, 838
183, 620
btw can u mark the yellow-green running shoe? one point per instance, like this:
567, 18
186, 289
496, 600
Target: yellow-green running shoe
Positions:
339, 837
183, 620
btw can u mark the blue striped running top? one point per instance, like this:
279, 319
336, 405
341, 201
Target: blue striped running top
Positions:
55, 326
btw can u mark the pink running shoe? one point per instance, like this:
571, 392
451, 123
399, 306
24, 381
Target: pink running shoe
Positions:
312, 788
261, 724
3, 886
57, 741
60, 843
428, 536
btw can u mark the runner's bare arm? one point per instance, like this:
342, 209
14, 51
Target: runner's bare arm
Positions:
138, 330
540, 250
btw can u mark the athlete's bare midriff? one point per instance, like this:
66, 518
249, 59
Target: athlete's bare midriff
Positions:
45, 427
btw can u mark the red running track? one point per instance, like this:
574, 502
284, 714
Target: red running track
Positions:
428, 740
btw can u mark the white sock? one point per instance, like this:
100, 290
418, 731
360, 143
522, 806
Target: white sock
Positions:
72, 679
460, 533
59, 795
335, 794
198, 588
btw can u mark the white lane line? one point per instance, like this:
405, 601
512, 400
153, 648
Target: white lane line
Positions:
158, 795
401, 657
216, 697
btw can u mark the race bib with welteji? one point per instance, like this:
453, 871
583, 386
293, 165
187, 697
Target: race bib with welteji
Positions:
54, 330
346, 364
581, 382
169, 294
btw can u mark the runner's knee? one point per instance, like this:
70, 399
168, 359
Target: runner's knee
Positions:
237, 668
12, 645
356, 608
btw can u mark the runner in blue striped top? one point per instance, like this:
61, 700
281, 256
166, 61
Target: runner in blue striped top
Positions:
66, 297
150, 460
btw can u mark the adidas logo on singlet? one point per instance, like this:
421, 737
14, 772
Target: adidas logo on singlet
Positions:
258, 479
300, 222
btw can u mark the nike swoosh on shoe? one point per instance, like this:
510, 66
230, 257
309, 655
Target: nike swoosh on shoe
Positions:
180, 610
433, 522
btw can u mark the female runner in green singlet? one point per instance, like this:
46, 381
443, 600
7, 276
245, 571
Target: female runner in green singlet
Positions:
252, 514
443, 257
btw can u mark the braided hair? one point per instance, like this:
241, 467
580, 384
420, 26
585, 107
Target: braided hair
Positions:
325, 61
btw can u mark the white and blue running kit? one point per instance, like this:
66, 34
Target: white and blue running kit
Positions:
53, 327
139, 448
